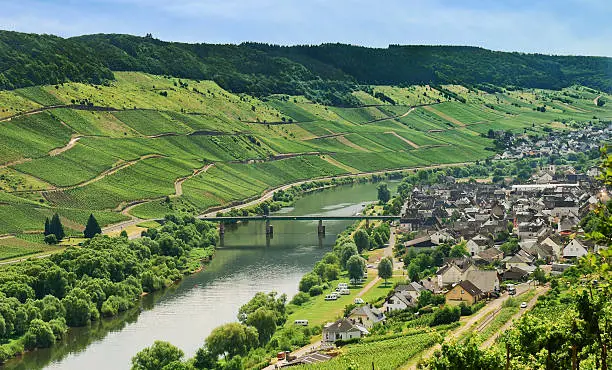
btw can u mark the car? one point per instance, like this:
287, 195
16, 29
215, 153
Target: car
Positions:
359, 301
370, 266
524, 305
342, 286
301, 322
345, 291
331, 297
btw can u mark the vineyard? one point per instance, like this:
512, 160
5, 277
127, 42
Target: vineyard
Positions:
134, 137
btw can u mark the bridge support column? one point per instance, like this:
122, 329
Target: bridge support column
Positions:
269, 228
367, 223
221, 229
321, 228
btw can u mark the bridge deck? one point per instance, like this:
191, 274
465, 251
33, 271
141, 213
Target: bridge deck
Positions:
298, 218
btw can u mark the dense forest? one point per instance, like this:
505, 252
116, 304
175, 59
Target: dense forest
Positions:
325, 73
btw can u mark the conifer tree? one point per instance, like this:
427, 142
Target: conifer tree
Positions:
47, 231
92, 227
56, 227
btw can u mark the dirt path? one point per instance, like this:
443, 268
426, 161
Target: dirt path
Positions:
14, 163
178, 184
443, 115
489, 342
68, 146
342, 139
596, 100
331, 160
111, 171
403, 139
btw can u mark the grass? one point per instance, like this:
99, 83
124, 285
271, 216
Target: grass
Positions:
318, 311
13, 247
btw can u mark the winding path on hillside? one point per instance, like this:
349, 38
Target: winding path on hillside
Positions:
178, 184
66, 147
596, 100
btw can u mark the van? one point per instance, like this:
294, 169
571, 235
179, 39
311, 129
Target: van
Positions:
342, 286
345, 291
331, 297
301, 322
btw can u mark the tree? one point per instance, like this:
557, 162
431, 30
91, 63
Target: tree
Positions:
347, 251
51, 239
383, 193
539, 275
92, 227
459, 250
414, 271
355, 267
56, 227
264, 321
362, 240
232, 339
308, 281
47, 227
156, 357
204, 359
385, 269
39, 334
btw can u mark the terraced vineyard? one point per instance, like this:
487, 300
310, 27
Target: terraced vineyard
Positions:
77, 148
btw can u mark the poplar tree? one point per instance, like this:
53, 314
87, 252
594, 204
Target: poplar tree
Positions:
56, 227
92, 227
47, 231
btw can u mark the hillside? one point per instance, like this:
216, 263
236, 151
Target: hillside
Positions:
326, 73
159, 144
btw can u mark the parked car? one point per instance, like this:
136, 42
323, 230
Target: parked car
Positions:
345, 291
301, 322
342, 286
331, 297
359, 301
524, 305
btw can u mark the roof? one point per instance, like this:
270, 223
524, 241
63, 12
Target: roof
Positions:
411, 287
470, 288
311, 358
483, 279
341, 326
373, 314
490, 253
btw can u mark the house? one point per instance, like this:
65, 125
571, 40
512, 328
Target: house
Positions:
453, 271
442, 236
424, 242
464, 291
366, 315
555, 245
477, 244
491, 255
342, 329
574, 249
398, 301
485, 280
413, 289
515, 274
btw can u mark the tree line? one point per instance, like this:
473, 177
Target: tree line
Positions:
325, 73
41, 298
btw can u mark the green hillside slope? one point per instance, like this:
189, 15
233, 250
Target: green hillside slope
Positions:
156, 144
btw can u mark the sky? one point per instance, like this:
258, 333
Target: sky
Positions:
567, 27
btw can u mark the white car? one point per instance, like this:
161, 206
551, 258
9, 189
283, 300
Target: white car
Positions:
331, 297
345, 291
359, 301
524, 305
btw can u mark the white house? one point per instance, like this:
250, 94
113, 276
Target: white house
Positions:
398, 301
342, 329
441, 236
574, 249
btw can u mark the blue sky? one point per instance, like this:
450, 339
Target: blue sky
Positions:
575, 27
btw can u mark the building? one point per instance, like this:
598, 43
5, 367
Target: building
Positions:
485, 280
464, 291
575, 249
366, 316
342, 329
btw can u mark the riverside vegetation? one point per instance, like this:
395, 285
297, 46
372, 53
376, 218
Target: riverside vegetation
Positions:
41, 298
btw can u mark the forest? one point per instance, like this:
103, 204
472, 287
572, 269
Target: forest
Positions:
325, 73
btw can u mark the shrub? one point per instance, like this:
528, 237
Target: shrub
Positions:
344, 342
446, 315
300, 298
51, 239
315, 290
308, 281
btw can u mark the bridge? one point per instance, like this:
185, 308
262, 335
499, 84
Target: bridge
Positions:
222, 220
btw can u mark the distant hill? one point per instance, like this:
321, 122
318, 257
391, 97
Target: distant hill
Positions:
325, 73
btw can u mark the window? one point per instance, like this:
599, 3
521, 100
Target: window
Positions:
462, 291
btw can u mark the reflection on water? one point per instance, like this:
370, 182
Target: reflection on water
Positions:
185, 314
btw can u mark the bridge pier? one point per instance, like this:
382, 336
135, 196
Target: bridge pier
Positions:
221, 229
321, 228
269, 228
367, 223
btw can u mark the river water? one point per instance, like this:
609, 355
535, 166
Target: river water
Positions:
186, 313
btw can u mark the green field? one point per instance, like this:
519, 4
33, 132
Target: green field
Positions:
159, 131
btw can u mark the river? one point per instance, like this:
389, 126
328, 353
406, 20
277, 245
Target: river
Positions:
186, 313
